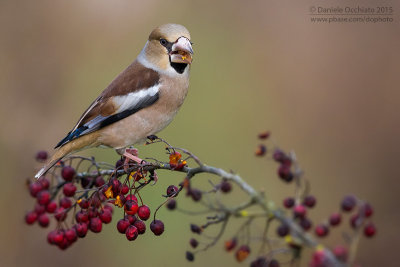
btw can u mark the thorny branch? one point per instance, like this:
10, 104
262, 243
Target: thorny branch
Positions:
103, 184
255, 197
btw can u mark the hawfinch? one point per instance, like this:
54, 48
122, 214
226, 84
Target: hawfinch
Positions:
140, 101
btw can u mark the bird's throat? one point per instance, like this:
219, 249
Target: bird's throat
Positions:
179, 67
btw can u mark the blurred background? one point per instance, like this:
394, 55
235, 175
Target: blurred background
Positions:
330, 92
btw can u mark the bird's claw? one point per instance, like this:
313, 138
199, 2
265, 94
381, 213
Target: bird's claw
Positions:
133, 151
154, 176
131, 154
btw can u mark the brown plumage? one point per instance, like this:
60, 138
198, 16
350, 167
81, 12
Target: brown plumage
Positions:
140, 101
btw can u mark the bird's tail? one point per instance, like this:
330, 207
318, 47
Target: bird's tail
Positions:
50, 163
73, 146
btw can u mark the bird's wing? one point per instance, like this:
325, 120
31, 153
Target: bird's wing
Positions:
134, 89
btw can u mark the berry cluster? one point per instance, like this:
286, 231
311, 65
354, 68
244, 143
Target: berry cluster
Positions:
89, 199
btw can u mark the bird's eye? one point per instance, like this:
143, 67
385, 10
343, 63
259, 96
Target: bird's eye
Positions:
163, 42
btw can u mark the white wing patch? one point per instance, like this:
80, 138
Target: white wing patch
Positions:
130, 100
124, 102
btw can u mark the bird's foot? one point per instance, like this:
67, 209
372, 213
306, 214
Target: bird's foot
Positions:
132, 151
154, 176
131, 154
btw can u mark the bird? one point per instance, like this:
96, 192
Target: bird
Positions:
141, 101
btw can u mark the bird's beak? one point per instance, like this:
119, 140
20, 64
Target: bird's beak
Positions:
181, 51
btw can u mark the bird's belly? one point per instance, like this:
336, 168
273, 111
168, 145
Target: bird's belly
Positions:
135, 128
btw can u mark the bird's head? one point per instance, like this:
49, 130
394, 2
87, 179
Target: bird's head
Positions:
169, 48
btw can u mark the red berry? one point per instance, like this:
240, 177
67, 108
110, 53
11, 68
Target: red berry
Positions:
171, 205
131, 197
64, 244
283, 230
45, 183
65, 203
41, 156
69, 189
348, 203
31, 217
281, 157
189, 256
119, 163
116, 186
341, 253
230, 244
50, 237
101, 197
355, 220
122, 225
108, 207
84, 203
299, 211
131, 233
131, 218
81, 216
141, 226
71, 235
309, 201
131, 207
261, 150
51, 207
39, 209
285, 173
157, 227
35, 188
194, 243
105, 216
305, 223
195, 229
58, 237
172, 190
288, 202
264, 135
85, 182
242, 253
95, 225
60, 214
225, 187
93, 212
99, 181
124, 189
321, 230
195, 194
369, 230
81, 229
335, 219
68, 173
95, 201
44, 220
144, 212
319, 259
259, 262
367, 210
43, 197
